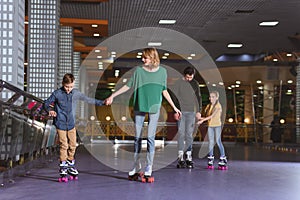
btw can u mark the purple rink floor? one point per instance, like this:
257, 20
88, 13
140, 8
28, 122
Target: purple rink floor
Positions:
254, 173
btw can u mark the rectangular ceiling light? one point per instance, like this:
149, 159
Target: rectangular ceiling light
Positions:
234, 45
268, 23
154, 44
167, 21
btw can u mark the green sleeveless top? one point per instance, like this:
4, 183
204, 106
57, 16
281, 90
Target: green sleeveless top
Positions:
148, 88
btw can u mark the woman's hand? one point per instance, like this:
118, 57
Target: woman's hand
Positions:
109, 100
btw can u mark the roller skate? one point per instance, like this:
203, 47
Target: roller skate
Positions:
223, 163
181, 162
189, 162
135, 173
63, 172
147, 177
210, 162
72, 171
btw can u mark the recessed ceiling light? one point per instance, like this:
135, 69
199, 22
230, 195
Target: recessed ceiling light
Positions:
189, 58
96, 34
154, 44
113, 53
289, 55
94, 25
192, 54
275, 59
139, 53
269, 23
97, 50
166, 54
234, 45
164, 57
167, 21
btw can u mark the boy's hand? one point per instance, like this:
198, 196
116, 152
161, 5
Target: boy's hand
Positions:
52, 113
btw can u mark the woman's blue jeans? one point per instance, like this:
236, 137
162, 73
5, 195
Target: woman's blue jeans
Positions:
152, 125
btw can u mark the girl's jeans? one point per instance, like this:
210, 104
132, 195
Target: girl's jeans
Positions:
215, 132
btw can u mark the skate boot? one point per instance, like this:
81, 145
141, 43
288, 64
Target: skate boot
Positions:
148, 178
180, 163
223, 163
72, 171
63, 172
135, 173
189, 162
210, 162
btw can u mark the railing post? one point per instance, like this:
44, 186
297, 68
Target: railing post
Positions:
298, 102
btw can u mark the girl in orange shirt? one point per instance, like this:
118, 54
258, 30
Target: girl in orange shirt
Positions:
214, 111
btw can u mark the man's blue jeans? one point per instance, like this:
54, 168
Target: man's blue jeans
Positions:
186, 127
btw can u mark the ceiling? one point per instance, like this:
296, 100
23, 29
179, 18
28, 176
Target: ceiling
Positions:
213, 23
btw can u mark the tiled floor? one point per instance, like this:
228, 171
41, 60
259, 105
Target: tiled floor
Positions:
254, 173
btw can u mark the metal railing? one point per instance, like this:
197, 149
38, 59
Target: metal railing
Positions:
244, 133
26, 130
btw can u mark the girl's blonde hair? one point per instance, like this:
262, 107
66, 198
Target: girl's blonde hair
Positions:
153, 55
207, 109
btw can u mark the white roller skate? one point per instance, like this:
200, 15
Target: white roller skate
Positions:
180, 160
72, 171
148, 178
135, 173
210, 162
189, 162
63, 172
223, 163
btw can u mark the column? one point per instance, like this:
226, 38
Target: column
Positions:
268, 109
298, 102
65, 63
76, 67
75, 71
43, 23
12, 29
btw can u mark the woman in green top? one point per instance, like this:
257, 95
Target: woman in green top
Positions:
149, 83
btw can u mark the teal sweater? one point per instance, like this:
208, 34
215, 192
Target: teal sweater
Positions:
148, 88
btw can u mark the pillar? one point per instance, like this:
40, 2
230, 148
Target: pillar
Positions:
268, 109
43, 23
298, 102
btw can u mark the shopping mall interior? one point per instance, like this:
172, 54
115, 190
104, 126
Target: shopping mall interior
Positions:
247, 50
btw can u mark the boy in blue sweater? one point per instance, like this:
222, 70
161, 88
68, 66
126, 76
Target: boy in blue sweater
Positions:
65, 101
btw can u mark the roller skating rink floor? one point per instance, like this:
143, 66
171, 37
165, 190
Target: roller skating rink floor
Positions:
253, 173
